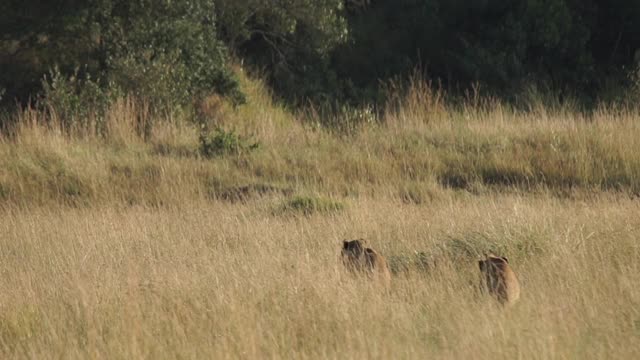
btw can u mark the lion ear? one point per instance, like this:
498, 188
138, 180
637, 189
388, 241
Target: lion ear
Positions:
505, 259
481, 264
345, 244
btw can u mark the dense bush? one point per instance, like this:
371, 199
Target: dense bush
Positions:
291, 39
164, 51
222, 142
572, 47
582, 49
334, 52
74, 100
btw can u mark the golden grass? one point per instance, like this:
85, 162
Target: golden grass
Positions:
213, 280
130, 247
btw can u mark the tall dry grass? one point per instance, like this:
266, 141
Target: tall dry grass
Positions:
212, 280
134, 245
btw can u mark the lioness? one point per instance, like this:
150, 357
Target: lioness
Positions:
500, 279
358, 258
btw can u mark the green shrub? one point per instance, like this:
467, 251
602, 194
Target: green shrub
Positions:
77, 102
223, 142
165, 52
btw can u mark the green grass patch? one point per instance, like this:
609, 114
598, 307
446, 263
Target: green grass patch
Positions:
222, 142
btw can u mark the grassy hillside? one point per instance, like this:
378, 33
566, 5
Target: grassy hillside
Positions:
123, 246
408, 155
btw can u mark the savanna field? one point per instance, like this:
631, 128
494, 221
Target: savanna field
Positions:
158, 243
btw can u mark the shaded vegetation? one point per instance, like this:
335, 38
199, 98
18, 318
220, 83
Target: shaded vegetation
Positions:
222, 142
308, 205
340, 54
249, 192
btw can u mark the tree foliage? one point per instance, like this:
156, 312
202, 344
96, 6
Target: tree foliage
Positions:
166, 51
332, 51
567, 45
291, 39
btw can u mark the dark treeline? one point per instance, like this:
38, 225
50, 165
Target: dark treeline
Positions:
332, 51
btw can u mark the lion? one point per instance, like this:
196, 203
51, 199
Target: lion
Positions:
360, 259
500, 279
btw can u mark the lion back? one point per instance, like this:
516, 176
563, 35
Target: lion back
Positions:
500, 279
377, 264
